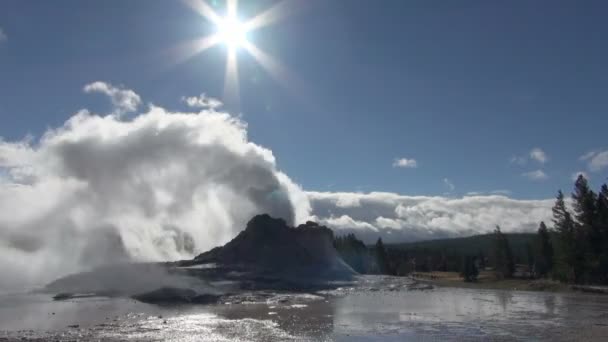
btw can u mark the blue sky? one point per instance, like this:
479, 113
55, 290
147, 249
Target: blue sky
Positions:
467, 89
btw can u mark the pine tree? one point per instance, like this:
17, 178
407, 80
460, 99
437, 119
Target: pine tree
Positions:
503, 256
601, 223
381, 257
470, 271
583, 202
587, 245
544, 260
564, 229
530, 259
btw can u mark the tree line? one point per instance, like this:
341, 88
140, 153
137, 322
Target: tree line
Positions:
574, 249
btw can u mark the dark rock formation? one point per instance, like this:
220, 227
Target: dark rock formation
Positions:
174, 295
267, 256
270, 245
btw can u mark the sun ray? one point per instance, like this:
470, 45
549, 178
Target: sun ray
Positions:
231, 8
231, 82
275, 13
277, 71
232, 33
202, 8
188, 49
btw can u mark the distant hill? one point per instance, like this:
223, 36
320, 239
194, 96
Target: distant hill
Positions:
456, 248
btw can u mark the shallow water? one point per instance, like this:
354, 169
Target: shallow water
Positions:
378, 308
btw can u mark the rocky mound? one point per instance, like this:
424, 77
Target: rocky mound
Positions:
267, 255
269, 244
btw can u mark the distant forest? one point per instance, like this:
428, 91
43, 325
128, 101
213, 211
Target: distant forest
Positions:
572, 249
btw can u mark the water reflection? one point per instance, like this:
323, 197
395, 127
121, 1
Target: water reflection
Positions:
550, 304
376, 311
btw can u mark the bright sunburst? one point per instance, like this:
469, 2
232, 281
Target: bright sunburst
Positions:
234, 34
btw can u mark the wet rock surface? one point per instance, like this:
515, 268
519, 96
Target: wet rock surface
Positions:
370, 308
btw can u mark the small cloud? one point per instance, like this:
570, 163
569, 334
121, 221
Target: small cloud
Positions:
202, 101
518, 160
3, 36
501, 192
405, 163
536, 154
596, 160
449, 184
535, 175
124, 100
587, 155
539, 155
579, 173
494, 192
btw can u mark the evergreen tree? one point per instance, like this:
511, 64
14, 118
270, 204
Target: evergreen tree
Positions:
381, 258
481, 259
583, 202
530, 259
544, 260
503, 256
564, 229
354, 252
601, 223
470, 271
587, 244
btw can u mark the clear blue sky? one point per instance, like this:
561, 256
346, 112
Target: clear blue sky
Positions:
462, 87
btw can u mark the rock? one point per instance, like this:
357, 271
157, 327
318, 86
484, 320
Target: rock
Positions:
269, 244
172, 295
205, 299
167, 295
62, 296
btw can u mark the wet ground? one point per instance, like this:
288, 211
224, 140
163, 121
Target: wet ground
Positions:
377, 308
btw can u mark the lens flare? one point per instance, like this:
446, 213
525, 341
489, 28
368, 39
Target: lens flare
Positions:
232, 32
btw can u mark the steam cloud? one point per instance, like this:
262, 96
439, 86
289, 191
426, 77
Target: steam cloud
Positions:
167, 185
162, 186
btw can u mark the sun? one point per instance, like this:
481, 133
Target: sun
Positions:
232, 32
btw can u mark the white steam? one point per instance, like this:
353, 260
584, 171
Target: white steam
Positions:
161, 186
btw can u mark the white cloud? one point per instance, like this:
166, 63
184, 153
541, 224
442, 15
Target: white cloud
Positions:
519, 160
588, 155
449, 184
535, 154
202, 101
493, 192
405, 163
124, 100
539, 155
535, 175
3, 36
501, 192
398, 218
596, 160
